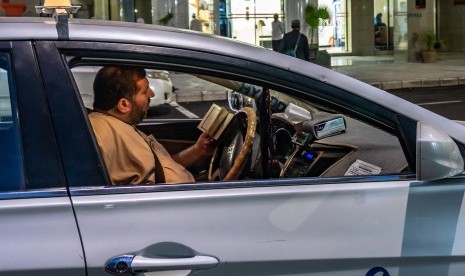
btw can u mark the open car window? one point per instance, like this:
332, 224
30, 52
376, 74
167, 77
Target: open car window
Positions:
310, 140
304, 139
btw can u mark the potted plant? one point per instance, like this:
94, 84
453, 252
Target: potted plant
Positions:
431, 44
314, 17
13, 9
166, 19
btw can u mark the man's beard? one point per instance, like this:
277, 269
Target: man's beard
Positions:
138, 114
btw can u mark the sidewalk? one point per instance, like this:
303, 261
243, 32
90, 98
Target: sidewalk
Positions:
380, 71
385, 73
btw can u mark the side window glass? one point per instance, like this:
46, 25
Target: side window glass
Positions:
11, 160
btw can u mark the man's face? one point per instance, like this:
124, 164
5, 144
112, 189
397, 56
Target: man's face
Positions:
140, 102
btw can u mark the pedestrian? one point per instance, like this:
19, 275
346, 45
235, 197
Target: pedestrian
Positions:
196, 24
277, 30
379, 27
295, 43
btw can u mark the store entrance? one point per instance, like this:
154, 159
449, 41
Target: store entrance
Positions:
384, 24
250, 21
333, 34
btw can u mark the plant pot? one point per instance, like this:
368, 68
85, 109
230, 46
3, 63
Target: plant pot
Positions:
312, 51
14, 9
428, 56
312, 54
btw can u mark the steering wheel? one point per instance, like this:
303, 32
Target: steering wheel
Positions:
229, 157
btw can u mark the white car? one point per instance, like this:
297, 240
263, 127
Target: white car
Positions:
159, 82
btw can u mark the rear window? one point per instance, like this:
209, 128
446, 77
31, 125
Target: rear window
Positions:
11, 168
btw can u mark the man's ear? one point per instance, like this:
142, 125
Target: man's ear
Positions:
124, 105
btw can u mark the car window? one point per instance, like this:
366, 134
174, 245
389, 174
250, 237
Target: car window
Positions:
11, 159
306, 139
309, 139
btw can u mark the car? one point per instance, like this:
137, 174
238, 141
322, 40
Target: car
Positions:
159, 82
315, 173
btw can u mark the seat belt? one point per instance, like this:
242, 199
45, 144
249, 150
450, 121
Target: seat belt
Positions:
159, 174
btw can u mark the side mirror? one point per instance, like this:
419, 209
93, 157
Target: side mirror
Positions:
323, 126
237, 101
438, 156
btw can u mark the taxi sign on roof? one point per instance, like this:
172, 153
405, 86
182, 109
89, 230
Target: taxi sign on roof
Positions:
60, 10
50, 6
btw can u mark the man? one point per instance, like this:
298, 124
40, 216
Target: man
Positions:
196, 24
295, 40
379, 28
122, 97
277, 30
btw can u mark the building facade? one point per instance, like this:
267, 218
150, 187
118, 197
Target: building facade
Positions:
350, 30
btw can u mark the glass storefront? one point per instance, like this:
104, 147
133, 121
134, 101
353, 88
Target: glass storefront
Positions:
400, 21
383, 14
244, 20
204, 10
332, 36
251, 20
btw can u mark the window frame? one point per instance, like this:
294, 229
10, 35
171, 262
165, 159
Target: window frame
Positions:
188, 61
43, 172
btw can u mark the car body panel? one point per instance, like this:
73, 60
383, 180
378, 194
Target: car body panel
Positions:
289, 223
299, 227
30, 229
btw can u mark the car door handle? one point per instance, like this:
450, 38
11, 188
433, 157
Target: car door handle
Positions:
131, 264
143, 264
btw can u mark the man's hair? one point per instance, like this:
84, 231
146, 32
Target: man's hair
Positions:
113, 83
295, 24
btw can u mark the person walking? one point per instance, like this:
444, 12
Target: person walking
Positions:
295, 43
277, 30
196, 24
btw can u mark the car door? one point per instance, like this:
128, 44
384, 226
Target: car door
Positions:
345, 225
37, 225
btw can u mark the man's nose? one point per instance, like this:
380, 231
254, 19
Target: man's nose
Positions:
151, 93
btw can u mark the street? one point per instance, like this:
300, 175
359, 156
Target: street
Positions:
448, 101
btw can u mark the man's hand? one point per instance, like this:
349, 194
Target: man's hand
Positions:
205, 145
197, 153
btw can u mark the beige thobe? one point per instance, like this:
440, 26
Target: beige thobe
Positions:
128, 158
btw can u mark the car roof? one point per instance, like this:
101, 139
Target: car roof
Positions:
45, 28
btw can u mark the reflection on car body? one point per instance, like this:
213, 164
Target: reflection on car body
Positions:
300, 204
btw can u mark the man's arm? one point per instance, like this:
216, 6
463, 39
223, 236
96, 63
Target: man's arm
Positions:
197, 153
283, 45
306, 48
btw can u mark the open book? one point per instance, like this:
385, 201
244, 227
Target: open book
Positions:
215, 121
